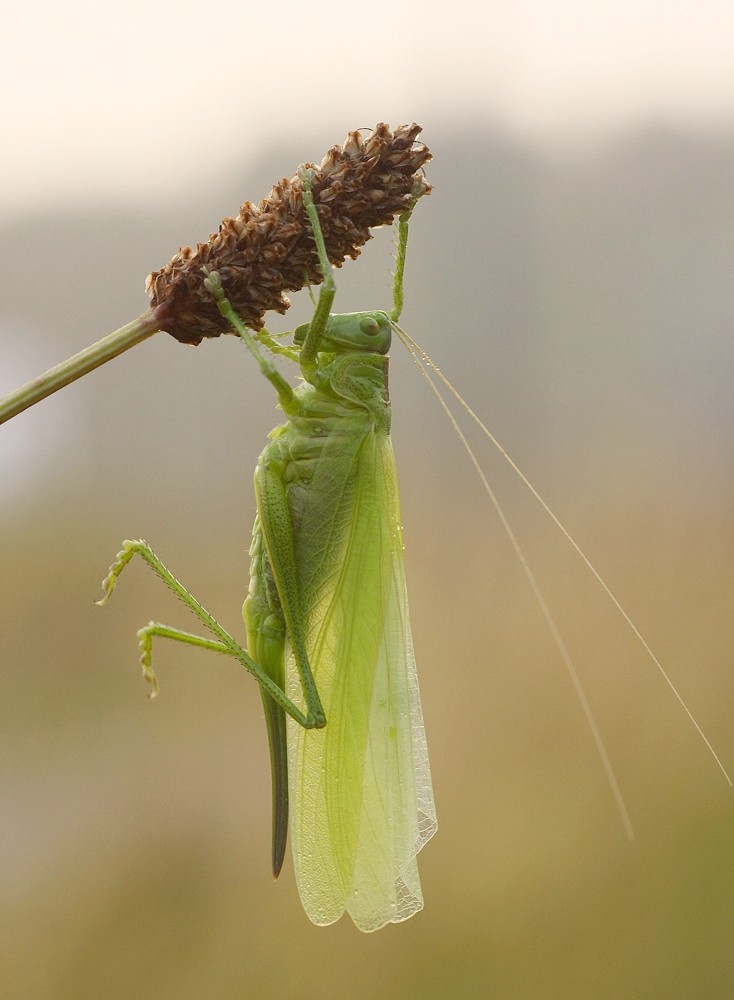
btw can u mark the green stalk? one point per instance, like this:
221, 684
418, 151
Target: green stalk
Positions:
80, 364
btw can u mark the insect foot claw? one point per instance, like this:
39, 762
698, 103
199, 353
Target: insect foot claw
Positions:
306, 174
122, 558
145, 642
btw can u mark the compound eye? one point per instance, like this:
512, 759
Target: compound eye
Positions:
369, 326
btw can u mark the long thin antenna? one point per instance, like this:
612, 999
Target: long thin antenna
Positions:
419, 358
422, 359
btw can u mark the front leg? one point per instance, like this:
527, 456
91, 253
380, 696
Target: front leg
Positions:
310, 347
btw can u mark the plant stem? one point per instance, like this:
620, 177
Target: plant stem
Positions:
80, 364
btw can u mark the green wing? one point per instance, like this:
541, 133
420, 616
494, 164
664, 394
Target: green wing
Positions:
360, 789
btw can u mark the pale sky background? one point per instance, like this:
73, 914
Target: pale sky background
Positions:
134, 100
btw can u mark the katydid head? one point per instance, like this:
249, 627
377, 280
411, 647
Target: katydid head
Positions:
359, 331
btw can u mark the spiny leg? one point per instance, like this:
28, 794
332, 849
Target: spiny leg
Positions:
226, 642
397, 287
283, 388
320, 318
145, 641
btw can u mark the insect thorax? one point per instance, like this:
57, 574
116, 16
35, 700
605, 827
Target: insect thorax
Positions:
316, 454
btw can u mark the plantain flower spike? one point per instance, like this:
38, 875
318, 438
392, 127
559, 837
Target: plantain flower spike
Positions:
268, 249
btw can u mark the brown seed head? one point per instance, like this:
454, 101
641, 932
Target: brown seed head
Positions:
268, 249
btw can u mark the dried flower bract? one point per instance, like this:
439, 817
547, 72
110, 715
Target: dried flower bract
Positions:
268, 248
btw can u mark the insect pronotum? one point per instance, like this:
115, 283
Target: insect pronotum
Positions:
328, 632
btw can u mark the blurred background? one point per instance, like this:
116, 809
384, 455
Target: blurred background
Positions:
572, 275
